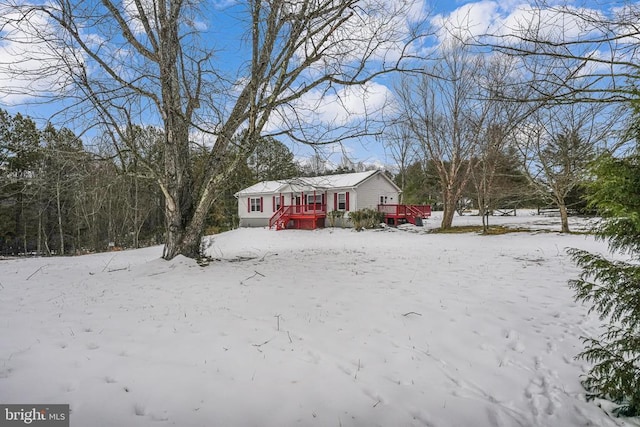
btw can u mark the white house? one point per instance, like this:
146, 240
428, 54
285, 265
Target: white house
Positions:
304, 202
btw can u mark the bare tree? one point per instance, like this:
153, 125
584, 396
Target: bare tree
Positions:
316, 164
566, 55
494, 122
436, 110
557, 143
62, 173
146, 61
401, 144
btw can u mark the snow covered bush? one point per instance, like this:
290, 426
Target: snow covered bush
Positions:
373, 218
366, 218
333, 217
612, 288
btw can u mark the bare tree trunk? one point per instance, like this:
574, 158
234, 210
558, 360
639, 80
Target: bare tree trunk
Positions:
485, 222
449, 206
110, 231
24, 227
483, 209
78, 243
564, 217
178, 200
59, 209
136, 207
39, 244
187, 240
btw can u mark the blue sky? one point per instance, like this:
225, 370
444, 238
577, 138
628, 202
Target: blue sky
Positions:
224, 33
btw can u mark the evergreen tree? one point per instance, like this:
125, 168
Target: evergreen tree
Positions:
272, 160
19, 162
420, 184
612, 287
57, 197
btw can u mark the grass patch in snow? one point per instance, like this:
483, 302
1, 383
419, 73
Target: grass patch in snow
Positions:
493, 230
497, 230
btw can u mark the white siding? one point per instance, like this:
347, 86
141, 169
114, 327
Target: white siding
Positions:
331, 198
331, 206
369, 193
255, 219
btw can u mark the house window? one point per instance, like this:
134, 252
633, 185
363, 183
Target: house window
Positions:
342, 202
383, 200
277, 203
255, 204
314, 201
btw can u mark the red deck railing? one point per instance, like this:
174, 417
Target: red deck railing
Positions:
312, 211
310, 214
404, 211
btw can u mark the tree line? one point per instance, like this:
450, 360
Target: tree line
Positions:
58, 196
62, 196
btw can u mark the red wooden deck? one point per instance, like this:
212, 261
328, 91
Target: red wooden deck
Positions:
303, 217
312, 216
399, 214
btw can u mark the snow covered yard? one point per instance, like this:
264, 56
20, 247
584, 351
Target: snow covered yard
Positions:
312, 328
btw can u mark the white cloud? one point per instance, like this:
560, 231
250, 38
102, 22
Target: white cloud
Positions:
504, 18
351, 103
342, 107
516, 22
468, 20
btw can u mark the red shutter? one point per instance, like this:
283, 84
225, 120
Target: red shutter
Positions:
273, 203
335, 201
261, 204
249, 204
346, 204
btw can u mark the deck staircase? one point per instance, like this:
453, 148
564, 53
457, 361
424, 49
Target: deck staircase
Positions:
281, 218
400, 214
413, 212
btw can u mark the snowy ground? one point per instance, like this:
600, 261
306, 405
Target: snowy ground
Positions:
396, 327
